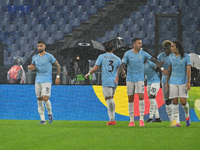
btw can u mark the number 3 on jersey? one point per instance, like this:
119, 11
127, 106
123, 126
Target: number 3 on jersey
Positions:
111, 64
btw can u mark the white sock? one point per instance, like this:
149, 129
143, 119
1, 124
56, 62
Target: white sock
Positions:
48, 106
151, 109
156, 109
141, 107
111, 109
176, 113
41, 110
186, 109
169, 112
131, 111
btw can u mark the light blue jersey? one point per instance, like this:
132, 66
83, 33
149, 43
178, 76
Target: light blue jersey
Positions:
179, 69
43, 67
151, 75
109, 64
135, 65
164, 58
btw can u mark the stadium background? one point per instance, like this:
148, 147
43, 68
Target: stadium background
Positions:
60, 22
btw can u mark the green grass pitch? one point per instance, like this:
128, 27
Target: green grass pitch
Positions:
95, 135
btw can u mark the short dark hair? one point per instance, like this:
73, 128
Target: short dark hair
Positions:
135, 39
41, 42
109, 46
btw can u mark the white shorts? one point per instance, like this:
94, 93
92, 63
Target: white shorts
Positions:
178, 91
135, 87
108, 91
153, 88
42, 89
165, 92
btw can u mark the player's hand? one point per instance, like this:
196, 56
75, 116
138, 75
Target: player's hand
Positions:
167, 86
188, 86
57, 81
86, 76
31, 67
116, 80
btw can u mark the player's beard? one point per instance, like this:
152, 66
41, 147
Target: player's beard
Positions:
41, 51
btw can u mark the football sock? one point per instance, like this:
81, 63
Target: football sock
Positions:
186, 109
141, 107
41, 110
176, 113
169, 112
151, 109
111, 109
156, 109
48, 106
131, 111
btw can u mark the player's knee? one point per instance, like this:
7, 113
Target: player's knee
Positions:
45, 98
168, 102
108, 97
141, 96
40, 98
130, 98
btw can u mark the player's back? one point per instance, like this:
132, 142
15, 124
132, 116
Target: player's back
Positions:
109, 64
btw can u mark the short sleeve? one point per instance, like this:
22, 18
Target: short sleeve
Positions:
52, 59
99, 61
125, 58
188, 61
147, 56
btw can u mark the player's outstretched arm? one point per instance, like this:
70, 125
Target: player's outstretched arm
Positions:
158, 65
57, 82
94, 69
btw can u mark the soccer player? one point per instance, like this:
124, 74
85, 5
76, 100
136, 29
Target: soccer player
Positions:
163, 58
134, 59
179, 74
153, 86
109, 64
42, 63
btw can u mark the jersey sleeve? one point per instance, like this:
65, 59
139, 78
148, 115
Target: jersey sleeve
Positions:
119, 62
159, 58
52, 59
125, 58
188, 61
152, 65
99, 61
146, 55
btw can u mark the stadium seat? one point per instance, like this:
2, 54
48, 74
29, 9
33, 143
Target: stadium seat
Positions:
12, 8
99, 3
127, 22
119, 27
83, 16
86, 3
75, 22
49, 40
92, 10
25, 8
133, 28
72, 3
